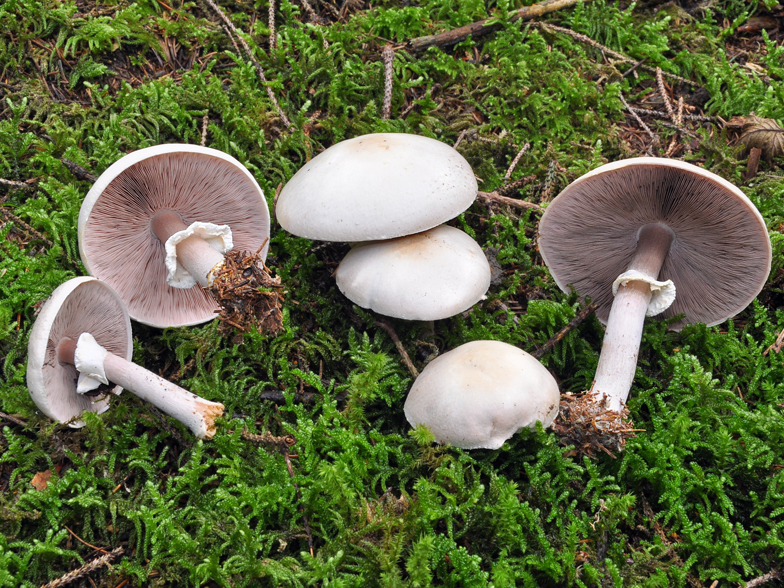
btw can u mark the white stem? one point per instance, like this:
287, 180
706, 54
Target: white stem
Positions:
621, 345
194, 412
194, 253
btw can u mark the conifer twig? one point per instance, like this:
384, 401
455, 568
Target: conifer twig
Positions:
388, 55
663, 94
256, 64
763, 579
205, 119
604, 49
483, 27
87, 568
273, 41
497, 198
14, 184
654, 138
660, 114
513, 165
12, 217
12, 419
78, 170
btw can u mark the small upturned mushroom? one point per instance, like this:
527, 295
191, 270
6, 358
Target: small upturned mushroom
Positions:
652, 236
157, 224
377, 186
479, 394
427, 276
80, 349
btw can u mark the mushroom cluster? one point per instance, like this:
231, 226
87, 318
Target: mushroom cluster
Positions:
645, 237
388, 194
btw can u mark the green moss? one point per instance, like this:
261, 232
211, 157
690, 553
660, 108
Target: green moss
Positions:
698, 495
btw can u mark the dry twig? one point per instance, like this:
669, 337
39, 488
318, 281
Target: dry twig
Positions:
204, 121
401, 350
763, 579
513, 165
13, 184
273, 40
283, 442
388, 55
654, 138
570, 326
498, 199
256, 64
664, 97
483, 27
87, 568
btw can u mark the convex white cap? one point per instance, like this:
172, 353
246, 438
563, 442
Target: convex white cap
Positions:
378, 186
427, 276
480, 394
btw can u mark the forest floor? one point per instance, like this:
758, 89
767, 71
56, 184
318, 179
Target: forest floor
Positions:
354, 499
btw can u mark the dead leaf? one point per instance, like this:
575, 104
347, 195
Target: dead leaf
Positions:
41, 480
765, 134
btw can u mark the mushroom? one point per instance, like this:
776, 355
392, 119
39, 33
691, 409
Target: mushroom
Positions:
80, 349
378, 186
480, 394
157, 223
427, 276
651, 236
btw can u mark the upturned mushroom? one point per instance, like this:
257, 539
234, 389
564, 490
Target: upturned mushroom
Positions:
159, 227
427, 276
377, 186
480, 394
653, 237
80, 350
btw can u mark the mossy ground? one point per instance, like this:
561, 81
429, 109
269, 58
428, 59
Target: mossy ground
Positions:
697, 497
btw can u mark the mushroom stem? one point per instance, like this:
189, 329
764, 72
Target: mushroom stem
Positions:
193, 253
194, 412
618, 359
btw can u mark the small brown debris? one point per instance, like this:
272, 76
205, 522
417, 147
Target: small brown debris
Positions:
583, 421
41, 480
249, 296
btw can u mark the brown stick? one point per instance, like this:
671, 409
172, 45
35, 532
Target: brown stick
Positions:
497, 198
764, 579
14, 420
85, 569
388, 55
654, 138
80, 540
570, 326
753, 163
78, 170
204, 121
256, 64
483, 27
513, 165
400, 349
14, 184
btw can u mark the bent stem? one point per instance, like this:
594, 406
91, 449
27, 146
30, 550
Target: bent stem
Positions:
194, 412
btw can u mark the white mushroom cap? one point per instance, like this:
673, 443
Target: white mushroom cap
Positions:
118, 246
480, 394
427, 276
377, 186
80, 305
